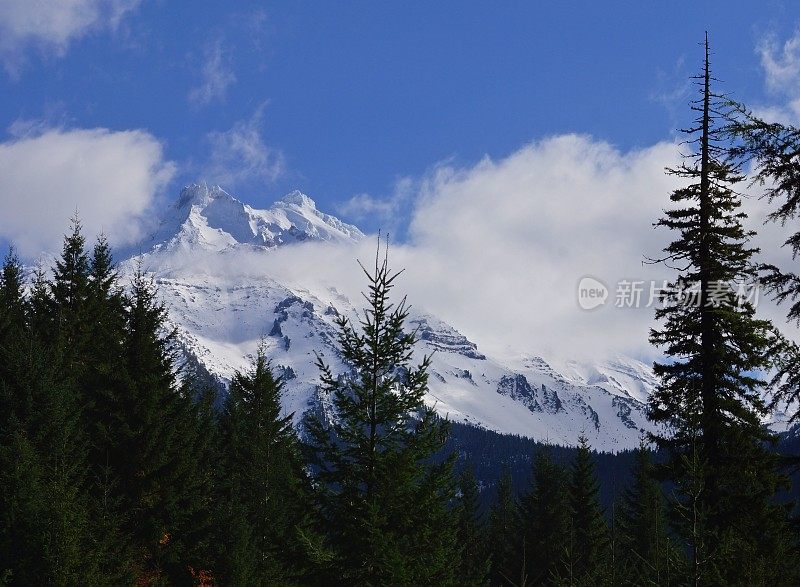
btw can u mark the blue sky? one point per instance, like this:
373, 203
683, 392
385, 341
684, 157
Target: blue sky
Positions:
354, 95
427, 119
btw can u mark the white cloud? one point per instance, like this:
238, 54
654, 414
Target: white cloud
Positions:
240, 154
502, 245
781, 63
51, 25
781, 66
216, 76
384, 212
110, 177
497, 249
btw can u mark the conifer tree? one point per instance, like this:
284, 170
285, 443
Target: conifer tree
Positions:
49, 423
69, 293
12, 329
507, 556
158, 451
106, 305
40, 310
710, 395
19, 481
206, 472
105, 350
474, 569
13, 306
774, 150
645, 552
13, 318
265, 486
44, 516
588, 540
13, 322
102, 456
44, 513
103, 381
383, 498
545, 521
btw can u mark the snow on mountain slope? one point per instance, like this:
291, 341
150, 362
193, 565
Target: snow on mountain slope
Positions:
222, 311
210, 219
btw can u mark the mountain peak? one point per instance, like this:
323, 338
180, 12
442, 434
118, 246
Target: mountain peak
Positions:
298, 198
209, 218
201, 194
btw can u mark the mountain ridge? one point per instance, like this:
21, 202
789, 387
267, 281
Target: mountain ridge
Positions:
221, 316
211, 218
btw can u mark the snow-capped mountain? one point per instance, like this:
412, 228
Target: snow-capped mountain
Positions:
210, 258
208, 218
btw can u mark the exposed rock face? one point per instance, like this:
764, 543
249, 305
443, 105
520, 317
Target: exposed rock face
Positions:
518, 388
443, 337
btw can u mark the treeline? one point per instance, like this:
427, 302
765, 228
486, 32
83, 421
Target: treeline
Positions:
119, 468
107, 462
489, 454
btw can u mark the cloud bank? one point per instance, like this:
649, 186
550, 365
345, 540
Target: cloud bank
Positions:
504, 243
497, 249
109, 177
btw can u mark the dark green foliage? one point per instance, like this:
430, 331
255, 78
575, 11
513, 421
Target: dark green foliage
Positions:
545, 512
68, 304
774, 150
45, 525
475, 561
164, 486
507, 566
117, 469
13, 317
265, 484
103, 455
717, 343
383, 501
710, 394
44, 510
41, 322
103, 381
645, 554
13, 306
488, 453
588, 548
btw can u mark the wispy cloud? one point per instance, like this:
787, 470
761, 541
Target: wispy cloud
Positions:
673, 89
51, 25
781, 65
240, 155
46, 173
386, 212
216, 76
